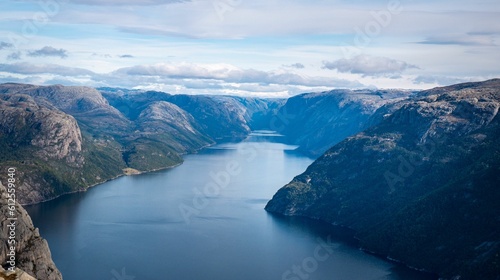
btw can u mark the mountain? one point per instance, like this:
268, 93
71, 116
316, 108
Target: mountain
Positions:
420, 186
33, 258
45, 144
66, 139
86, 104
218, 117
106, 126
317, 121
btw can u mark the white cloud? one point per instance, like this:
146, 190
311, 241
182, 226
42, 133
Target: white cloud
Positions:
25, 68
368, 65
201, 19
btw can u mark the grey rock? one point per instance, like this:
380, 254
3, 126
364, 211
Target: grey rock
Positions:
32, 251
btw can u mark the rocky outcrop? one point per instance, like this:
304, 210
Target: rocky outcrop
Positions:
32, 254
38, 138
420, 187
54, 133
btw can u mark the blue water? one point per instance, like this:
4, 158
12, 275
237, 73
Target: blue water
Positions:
203, 220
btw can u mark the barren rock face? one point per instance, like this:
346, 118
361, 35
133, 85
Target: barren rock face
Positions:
167, 115
59, 138
55, 133
32, 252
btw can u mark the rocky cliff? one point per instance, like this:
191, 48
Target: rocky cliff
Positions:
317, 121
421, 186
39, 139
33, 258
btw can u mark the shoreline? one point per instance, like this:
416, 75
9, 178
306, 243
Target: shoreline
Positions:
100, 183
238, 140
123, 175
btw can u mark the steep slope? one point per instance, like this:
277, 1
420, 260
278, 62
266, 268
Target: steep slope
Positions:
45, 143
420, 187
106, 127
317, 121
31, 251
164, 132
86, 104
219, 117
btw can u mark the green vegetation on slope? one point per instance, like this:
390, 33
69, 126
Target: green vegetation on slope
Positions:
420, 187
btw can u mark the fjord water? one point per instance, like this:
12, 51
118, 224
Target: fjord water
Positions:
134, 228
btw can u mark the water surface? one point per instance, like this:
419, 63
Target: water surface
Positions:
162, 225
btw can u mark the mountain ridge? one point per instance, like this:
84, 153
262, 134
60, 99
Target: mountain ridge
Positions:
417, 183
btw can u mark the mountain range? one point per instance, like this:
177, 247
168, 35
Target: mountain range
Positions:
412, 172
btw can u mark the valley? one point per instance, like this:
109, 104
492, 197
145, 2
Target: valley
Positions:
412, 173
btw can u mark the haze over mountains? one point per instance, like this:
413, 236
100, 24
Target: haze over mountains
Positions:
414, 173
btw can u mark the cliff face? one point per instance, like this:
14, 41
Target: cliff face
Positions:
56, 134
317, 121
32, 252
40, 138
417, 184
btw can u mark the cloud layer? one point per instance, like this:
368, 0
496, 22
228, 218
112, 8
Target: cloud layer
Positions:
214, 78
258, 47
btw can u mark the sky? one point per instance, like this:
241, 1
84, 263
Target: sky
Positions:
266, 48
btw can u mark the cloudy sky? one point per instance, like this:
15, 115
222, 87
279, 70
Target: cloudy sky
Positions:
243, 47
